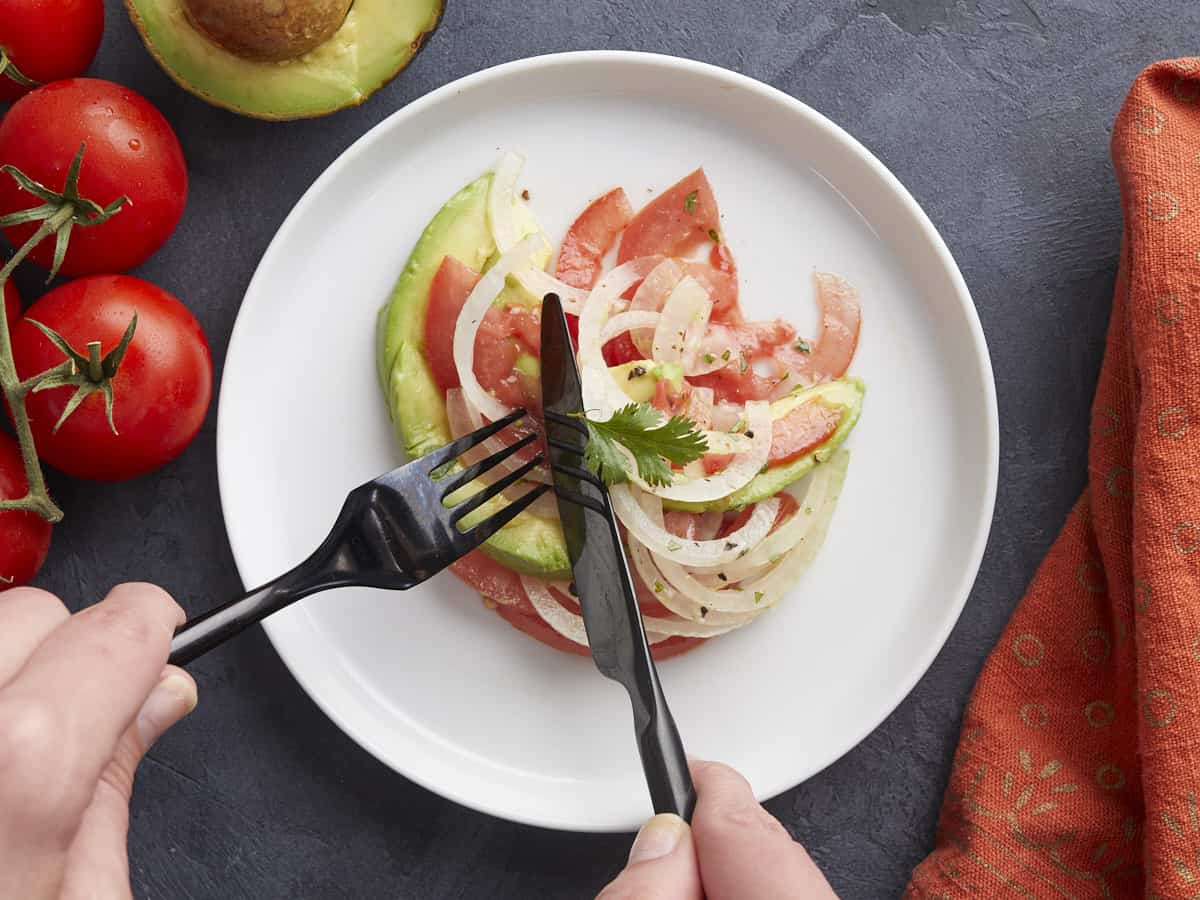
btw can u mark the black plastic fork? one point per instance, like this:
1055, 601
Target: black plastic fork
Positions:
393, 532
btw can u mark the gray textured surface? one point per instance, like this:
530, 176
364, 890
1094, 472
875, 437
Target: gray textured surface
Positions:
995, 115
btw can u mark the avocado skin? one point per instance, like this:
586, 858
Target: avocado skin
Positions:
529, 544
214, 94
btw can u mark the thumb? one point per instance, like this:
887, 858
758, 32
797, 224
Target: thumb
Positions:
662, 864
98, 861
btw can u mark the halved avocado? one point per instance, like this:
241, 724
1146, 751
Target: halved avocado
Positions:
258, 58
530, 544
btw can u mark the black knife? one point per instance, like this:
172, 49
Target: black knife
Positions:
602, 580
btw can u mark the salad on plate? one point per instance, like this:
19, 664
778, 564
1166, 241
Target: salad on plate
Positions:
721, 438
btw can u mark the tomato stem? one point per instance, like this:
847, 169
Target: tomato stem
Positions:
95, 367
9, 70
37, 497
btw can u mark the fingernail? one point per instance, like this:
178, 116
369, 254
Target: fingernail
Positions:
658, 837
172, 699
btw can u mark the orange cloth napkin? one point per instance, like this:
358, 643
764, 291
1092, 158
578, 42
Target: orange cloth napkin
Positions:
1078, 769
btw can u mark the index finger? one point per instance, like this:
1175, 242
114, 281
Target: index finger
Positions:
744, 852
92, 674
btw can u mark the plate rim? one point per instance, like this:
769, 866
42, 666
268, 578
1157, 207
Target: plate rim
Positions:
982, 358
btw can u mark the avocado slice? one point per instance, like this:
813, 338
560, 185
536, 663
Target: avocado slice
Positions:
373, 43
846, 394
531, 544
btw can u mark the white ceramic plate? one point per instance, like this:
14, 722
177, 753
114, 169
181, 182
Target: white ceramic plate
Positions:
444, 691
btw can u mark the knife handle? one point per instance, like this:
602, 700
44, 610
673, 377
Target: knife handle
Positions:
665, 763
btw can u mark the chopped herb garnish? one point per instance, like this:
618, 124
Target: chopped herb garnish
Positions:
808, 510
745, 364
758, 595
725, 356
722, 576
689, 203
673, 545
703, 611
803, 346
653, 444
712, 233
709, 358
740, 426
658, 587
730, 545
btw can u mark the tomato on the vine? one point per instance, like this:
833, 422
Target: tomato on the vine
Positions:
161, 389
130, 150
12, 304
47, 40
24, 536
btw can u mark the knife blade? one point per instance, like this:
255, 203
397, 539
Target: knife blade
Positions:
603, 583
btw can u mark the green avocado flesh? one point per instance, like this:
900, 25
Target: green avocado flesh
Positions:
530, 544
377, 39
846, 394
533, 544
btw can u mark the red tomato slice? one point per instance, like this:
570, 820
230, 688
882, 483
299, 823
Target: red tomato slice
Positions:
12, 305
448, 292
841, 319
503, 336
590, 237
621, 350
676, 221
805, 428
491, 579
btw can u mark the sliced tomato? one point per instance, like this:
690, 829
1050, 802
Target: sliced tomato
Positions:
12, 304
841, 319
491, 579
722, 288
673, 223
448, 292
621, 350
535, 626
590, 237
802, 430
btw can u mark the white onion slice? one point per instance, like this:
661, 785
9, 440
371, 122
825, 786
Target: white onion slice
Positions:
627, 321
810, 495
472, 314
541, 283
740, 471
652, 295
690, 552
502, 201
700, 407
681, 605
602, 396
709, 524
763, 592
682, 325
567, 623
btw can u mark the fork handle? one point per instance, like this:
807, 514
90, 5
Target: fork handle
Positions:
213, 628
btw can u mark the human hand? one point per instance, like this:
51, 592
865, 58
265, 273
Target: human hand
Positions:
735, 850
81, 700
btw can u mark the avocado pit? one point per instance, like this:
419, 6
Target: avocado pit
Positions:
268, 30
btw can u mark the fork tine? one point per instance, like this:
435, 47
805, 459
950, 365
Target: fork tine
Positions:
567, 422
457, 448
471, 472
477, 500
491, 525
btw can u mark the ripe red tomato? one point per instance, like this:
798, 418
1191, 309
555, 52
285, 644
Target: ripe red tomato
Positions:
679, 219
48, 40
130, 151
448, 292
590, 237
12, 304
162, 388
24, 536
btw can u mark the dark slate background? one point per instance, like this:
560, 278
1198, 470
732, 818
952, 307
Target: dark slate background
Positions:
997, 117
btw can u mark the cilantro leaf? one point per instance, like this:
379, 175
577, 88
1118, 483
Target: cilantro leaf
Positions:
653, 444
689, 203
